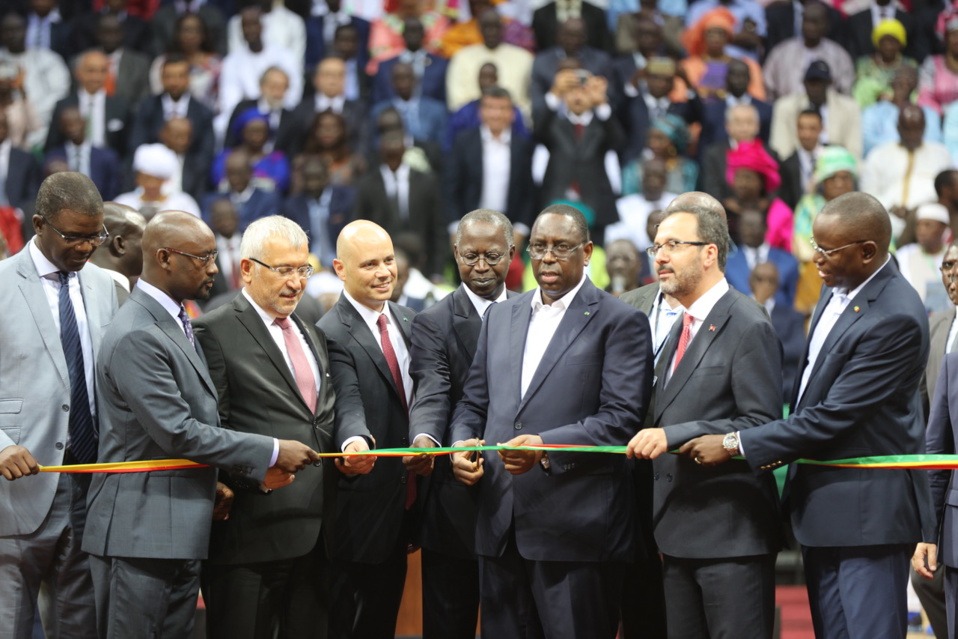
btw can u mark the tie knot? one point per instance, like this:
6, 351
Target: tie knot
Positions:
63, 277
184, 316
382, 321
687, 320
283, 323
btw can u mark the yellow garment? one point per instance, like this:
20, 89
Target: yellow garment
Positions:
458, 36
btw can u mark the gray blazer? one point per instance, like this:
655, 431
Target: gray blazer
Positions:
157, 401
35, 383
939, 325
642, 298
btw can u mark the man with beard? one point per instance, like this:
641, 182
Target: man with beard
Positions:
147, 532
718, 531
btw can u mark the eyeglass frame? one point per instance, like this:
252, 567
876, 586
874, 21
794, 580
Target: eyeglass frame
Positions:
75, 240
303, 272
671, 245
481, 256
827, 253
551, 248
204, 260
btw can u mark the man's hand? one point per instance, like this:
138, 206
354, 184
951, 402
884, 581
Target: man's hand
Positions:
224, 501
564, 80
421, 464
520, 461
648, 443
294, 456
925, 560
356, 464
276, 478
17, 462
597, 89
464, 467
706, 450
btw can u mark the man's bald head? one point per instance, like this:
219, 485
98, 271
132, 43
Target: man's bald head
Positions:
851, 234
366, 263
357, 233
123, 252
863, 217
696, 199
178, 250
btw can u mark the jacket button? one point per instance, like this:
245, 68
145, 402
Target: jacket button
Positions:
669, 476
66, 408
59, 445
402, 478
655, 477
518, 425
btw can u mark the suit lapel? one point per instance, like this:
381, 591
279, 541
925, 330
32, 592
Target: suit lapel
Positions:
32, 290
519, 328
94, 308
465, 322
364, 337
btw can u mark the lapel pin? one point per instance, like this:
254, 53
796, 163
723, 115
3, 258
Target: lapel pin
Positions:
587, 312
711, 328
858, 308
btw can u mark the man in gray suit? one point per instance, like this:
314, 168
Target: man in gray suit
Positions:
718, 532
147, 532
53, 308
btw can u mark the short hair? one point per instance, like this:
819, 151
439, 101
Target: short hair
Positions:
712, 229
863, 213
741, 108
487, 216
272, 69
812, 112
264, 229
68, 190
577, 217
945, 179
174, 58
496, 91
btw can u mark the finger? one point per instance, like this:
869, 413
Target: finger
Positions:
686, 447
6, 473
933, 558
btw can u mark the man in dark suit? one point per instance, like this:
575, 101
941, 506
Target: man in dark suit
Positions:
788, 323
369, 351
262, 575
157, 401
174, 102
321, 28
742, 124
754, 250
571, 44
859, 27
563, 364
129, 74
798, 169
424, 118
784, 20
429, 68
137, 33
99, 164
400, 198
329, 83
444, 341
19, 174
191, 176
273, 85
719, 570
322, 209
547, 26
495, 148
736, 86
857, 395
251, 202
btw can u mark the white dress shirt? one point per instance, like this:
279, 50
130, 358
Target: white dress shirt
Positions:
481, 303
397, 186
49, 278
662, 318
78, 157
175, 108
542, 327
700, 309
229, 257
952, 336
93, 109
496, 169
323, 102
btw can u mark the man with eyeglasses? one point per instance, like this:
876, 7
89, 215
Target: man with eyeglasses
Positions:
53, 309
271, 372
718, 532
147, 532
566, 363
856, 395
444, 341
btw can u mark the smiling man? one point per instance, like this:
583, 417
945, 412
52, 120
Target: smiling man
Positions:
563, 364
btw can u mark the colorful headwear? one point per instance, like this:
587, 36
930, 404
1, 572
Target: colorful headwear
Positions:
833, 159
889, 27
675, 129
247, 116
693, 39
947, 22
753, 157
156, 160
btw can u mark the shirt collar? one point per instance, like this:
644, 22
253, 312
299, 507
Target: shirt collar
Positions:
44, 267
504, 138
164, 300
481, 303
700, 308
370, 317
560, 304
268, 318
851, 294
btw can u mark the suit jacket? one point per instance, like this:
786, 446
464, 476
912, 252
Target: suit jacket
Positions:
260, 204
780, 21
714, 165
342, 211
354, 112
792, 189
737, 273
149, 120
642, 298
431, 85
104, 169
316, 43
370, 508
430, 126
23, 181
729, 380
425, 213
859, 26
116, 111
464, 178
157, 401
252, 379
133, 78
590, 388
713, 121
286, 124
940, 438
546, 63
36, 382
939, 325
861, 399
137, 34
545, 24
789, 325
635, 117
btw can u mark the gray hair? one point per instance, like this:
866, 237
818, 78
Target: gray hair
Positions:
264, 229
487, 216
273, 69
741, 108
712, 229
68, 190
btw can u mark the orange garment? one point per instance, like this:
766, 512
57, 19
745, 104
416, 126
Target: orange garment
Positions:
385, 37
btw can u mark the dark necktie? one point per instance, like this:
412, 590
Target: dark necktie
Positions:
83, 437
187, 327
393, 362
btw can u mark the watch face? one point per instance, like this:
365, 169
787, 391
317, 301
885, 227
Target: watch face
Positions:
730, 442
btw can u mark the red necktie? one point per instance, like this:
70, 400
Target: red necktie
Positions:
393, 362
684, 340
302, 371
579, 130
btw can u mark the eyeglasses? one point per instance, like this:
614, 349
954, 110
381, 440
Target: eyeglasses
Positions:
204, 260
561, 252
471, 259
826, 253
69, 238
304, 271
671, 246
948, 265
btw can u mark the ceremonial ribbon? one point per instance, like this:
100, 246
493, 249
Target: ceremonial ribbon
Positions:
900, 462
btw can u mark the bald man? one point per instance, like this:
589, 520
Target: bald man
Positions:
369, 341
107, 115
122, 256
147, 532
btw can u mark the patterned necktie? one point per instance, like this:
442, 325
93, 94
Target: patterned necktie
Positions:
187, 327
393, 362
83, 438
684, 340
302, 371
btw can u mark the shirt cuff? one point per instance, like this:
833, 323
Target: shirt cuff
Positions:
741, 447
631, 91
428, 436
272, 460
352, 439
603, 112
553, 101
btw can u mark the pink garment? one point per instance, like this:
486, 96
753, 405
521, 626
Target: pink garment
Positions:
385, 37
779, 221
938, 85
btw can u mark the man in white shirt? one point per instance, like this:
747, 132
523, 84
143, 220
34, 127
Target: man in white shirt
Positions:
281, 27
920, 261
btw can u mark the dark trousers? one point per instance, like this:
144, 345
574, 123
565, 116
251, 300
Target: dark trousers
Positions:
525, 599
643, 597
450, 596
145, 598
285, 599
931, 594
365, 598
728, 598
858, 591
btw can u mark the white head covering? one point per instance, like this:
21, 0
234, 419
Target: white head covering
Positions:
156, 160
933, 211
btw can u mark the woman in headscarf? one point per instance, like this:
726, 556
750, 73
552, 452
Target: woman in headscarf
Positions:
668, 141
938, 78
707, 63
874, 73
270, 168
753, 176
836, 172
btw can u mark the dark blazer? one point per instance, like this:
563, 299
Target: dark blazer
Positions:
431, 125
432, 85
252, 379
464, 178
792, 189
195, 179
354, 112
342, 211
23, 181
861, 399
940, 438
286, 123
133, 78
789, 325
164, 20
137, 34
545, 25
149, 120
780, 21
105, 169
939, 325
546, 63
635, 117
729, 380
858, 38
712, 176
117, 113
425, 213
737, 273
316, 44
260, 204
370, 508
713, 121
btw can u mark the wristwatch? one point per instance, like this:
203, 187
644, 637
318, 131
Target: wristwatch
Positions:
730, 444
